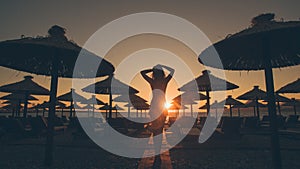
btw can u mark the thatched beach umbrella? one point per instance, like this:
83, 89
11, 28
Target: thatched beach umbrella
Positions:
106, 107
25, 87
204, 83
255, 105
231, 102
46, 104
17, 99
216, 105
9, 107
93, 100
54, 56
279, 99
255, 94
189, 97
293, 87
110, 86
266, 44
70, 97
139, 105
130, 99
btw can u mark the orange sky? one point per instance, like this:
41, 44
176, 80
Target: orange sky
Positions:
215, 18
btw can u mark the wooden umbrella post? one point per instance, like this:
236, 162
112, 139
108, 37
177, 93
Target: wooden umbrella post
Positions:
295, 111
230, 109
25, 105
207, 102
50, 127
278, 107
128, 111
257, 108
275, 146
110, 104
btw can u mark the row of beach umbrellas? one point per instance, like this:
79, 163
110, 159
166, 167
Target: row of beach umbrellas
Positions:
266, 44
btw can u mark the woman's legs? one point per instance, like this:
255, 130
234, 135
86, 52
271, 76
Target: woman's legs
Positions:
157, 141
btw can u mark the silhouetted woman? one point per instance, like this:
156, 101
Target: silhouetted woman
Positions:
157, 112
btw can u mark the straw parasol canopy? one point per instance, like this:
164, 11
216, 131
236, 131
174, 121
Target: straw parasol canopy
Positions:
110, 86
93, 100
70, 97
266, 44
189, 97
55, 56
17, 97
279, 99
142, 106
216, 105
13, 102
251, 103
74, 106
105, 107
231, 102
130, 99
204, 82
293, 103
88, 107
117, 107
293, 87
255, 105
9, 107
255, 94
57, 104
258, 94
25, 87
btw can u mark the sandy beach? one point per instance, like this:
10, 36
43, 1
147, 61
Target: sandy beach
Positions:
247, 152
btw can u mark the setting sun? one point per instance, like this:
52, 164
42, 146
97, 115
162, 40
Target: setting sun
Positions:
167, 105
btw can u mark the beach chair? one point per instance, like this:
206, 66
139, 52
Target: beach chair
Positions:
280, 121
12, 127
292, 121
231, 126
38, 126
250, 123
118, 124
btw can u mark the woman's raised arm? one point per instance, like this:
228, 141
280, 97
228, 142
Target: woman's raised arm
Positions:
171, 70
145, 76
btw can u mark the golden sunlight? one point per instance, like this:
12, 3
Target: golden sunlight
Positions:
167, 105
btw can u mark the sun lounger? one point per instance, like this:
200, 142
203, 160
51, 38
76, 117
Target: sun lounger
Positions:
250, 123
231, 126
12, 127
292, 121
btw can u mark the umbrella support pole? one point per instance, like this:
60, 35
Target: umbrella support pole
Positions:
110, 104
128, 111
278, 107
257, 107
275, 146
25, 105
71, 109
50, 127
207, 102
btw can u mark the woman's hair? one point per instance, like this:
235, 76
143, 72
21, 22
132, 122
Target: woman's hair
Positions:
158, 73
